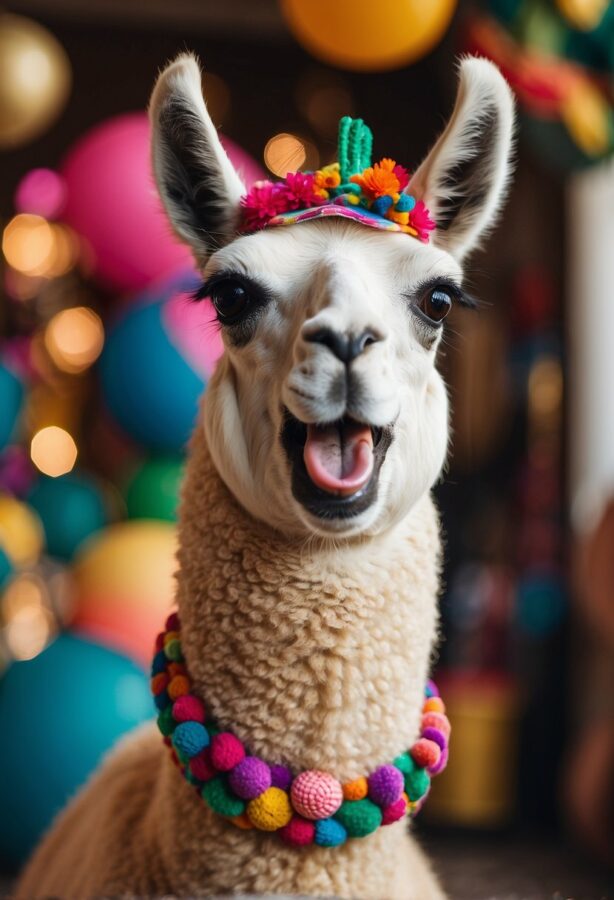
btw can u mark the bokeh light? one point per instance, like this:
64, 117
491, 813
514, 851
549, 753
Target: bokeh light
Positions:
29, 623
74, 338
53, 451
287, 152
325, 98
42, 192
217, 97
28, 243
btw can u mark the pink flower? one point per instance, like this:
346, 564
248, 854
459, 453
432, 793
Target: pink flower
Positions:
262, 202
403, 176
302, 190
420, 219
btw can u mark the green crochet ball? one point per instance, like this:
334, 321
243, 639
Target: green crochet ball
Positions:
417, 784
404, 763
221, 799
166, 723
359, 817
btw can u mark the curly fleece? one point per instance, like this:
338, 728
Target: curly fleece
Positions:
315, 656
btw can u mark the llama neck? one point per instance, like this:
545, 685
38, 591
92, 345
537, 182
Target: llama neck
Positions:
315, 658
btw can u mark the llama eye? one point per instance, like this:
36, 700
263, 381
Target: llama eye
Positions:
231, 301
435, 304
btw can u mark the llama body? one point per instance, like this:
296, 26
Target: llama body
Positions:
283, 642
308, 611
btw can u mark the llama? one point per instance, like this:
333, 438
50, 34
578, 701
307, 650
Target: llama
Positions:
309, 543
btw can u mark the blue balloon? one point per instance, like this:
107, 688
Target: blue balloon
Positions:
59, 714
149, 386
71, 508
11, 399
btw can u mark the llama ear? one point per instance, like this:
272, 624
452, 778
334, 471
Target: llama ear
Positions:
199, 187
463, 179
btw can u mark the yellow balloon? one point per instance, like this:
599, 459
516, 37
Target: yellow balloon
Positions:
21, 531
129, 562
35, 79
368, 35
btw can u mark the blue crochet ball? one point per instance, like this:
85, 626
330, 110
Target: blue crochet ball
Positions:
59, 714
329, 833
189, 738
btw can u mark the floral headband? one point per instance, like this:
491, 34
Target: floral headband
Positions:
352, 188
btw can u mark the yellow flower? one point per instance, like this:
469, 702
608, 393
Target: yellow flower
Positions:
328, 177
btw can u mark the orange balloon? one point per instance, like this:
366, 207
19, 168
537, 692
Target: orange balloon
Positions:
368, 35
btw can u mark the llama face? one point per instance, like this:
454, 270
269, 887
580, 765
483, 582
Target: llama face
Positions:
327, 414
327, 437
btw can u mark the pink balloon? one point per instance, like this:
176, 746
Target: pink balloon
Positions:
112, 202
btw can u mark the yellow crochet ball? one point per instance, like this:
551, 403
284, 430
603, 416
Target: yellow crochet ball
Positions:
356, 790
271, 810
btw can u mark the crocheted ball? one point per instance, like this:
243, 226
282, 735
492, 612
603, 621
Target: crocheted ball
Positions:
355, 790
250, 777
166, 723
298, 832
316, 795
385, 785
329, 833
434, 704
226, 751
221, 799
270, 810
436, 720
172, 649
158, 683
281, 777
188, 708
201, 766
394, 812
189, 738
159, 644
435, 735
359, 817
439, 766
417, 784
176, 668
404, 763
178, 686
172, 622
425, 753
162, 700
158, 663
242, 821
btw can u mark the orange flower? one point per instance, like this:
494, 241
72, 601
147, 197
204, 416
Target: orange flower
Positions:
379, 180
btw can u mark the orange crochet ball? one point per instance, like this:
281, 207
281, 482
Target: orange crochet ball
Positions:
158, 683
271, 810
425, 753
178, 686
355, 790
434, 704
242, 821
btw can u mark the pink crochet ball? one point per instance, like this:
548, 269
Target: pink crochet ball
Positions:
316, 795
250, 778
425, 753
226, 751
437, 720
440, 765
200, 765
385, 785
394, 812
188, 709
298, 832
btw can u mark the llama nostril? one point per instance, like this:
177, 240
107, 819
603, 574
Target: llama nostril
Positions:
346, 347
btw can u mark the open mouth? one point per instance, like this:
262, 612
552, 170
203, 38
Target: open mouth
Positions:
335, 466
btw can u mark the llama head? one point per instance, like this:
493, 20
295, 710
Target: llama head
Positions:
326, 415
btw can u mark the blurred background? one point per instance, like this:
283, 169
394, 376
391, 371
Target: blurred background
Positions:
102, 360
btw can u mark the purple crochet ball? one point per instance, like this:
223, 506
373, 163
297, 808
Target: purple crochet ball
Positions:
250, 778
435, 735
385, 785
439, 766
281, 777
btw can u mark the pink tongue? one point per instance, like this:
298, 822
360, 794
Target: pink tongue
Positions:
339, 459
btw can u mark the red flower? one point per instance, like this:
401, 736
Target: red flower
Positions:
403, 176
262, 202
420, 219
301, 190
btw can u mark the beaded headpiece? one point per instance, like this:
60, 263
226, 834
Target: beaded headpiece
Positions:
375, 195
310, 807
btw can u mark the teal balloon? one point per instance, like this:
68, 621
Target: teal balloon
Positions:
59, 714
153, 490
71, 508
11, 400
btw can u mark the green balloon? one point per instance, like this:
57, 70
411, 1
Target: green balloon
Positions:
153, 490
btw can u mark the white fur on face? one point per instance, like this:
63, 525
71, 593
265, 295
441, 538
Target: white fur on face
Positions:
351, 278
